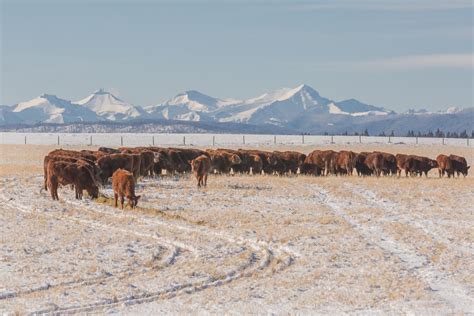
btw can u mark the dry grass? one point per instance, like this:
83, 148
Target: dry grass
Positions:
338, 262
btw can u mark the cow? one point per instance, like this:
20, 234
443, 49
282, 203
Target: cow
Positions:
123, 184
390, 164
110, 163
90, 164
65, 173
375, 163
269, 160
445, 166
417, 165
401, 158
249, 163
201, 166
188, 154
345, 162
291, 160
223, 161
146, 160
360, 166
460, 165
314, 164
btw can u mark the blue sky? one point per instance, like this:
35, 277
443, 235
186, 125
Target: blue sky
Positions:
397, 54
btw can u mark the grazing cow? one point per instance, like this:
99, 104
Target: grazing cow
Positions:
417, 165
390, 164
360, 166
123, 184
65, 173
329, 158
401, 159
375, 163
459, 165
249, 163
146, 160
269, 160
445, 166
223, 161
314, 164
345, 162
201, 166
186, 155
108, 164
89, 164
290, 160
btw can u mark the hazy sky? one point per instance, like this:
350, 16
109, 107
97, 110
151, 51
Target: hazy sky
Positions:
397, 54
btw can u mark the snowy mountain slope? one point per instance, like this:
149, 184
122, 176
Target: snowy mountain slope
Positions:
109, 107
189, 106
7, 116
49, 108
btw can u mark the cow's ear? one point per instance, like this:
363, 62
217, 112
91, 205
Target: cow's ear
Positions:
137, 197
468, 167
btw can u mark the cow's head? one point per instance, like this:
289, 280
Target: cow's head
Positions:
133, 200
272, 160
235, 159
433, 163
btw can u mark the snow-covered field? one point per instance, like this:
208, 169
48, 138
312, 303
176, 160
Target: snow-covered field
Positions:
246, 244
175, 139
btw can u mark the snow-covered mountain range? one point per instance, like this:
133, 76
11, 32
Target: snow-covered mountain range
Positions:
299, 109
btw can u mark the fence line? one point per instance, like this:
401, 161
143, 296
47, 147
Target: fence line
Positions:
214, 140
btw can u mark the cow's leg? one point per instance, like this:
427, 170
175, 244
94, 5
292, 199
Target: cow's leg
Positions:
122, 200
205, 180
116, 199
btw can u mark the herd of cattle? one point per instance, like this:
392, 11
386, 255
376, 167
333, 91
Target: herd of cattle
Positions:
86, 169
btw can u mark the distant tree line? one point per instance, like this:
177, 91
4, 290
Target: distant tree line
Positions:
437, 134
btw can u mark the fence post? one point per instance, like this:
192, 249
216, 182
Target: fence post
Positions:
213, 141
153, 140
121, 140
302, 138
91, 141
360, 139
332, 139
58, 140
274, 139
467, 141
184, 140
443, 140
417, 140
389, 141
243, 139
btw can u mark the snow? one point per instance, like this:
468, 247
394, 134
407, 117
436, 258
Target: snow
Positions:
108, 106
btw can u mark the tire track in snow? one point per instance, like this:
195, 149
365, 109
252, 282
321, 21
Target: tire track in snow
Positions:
393, 207
455, 295
249, 268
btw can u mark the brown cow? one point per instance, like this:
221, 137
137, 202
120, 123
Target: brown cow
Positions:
201, 166
390, 163
223, 161
401, 159
445, 166
375, 162
360, 166
459, 165
269, 160
73, 153
289, 161
314, 164
417, 165
79, 175
109, 150
249, 163
123, 184
108, 164
345, 162
90, 164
